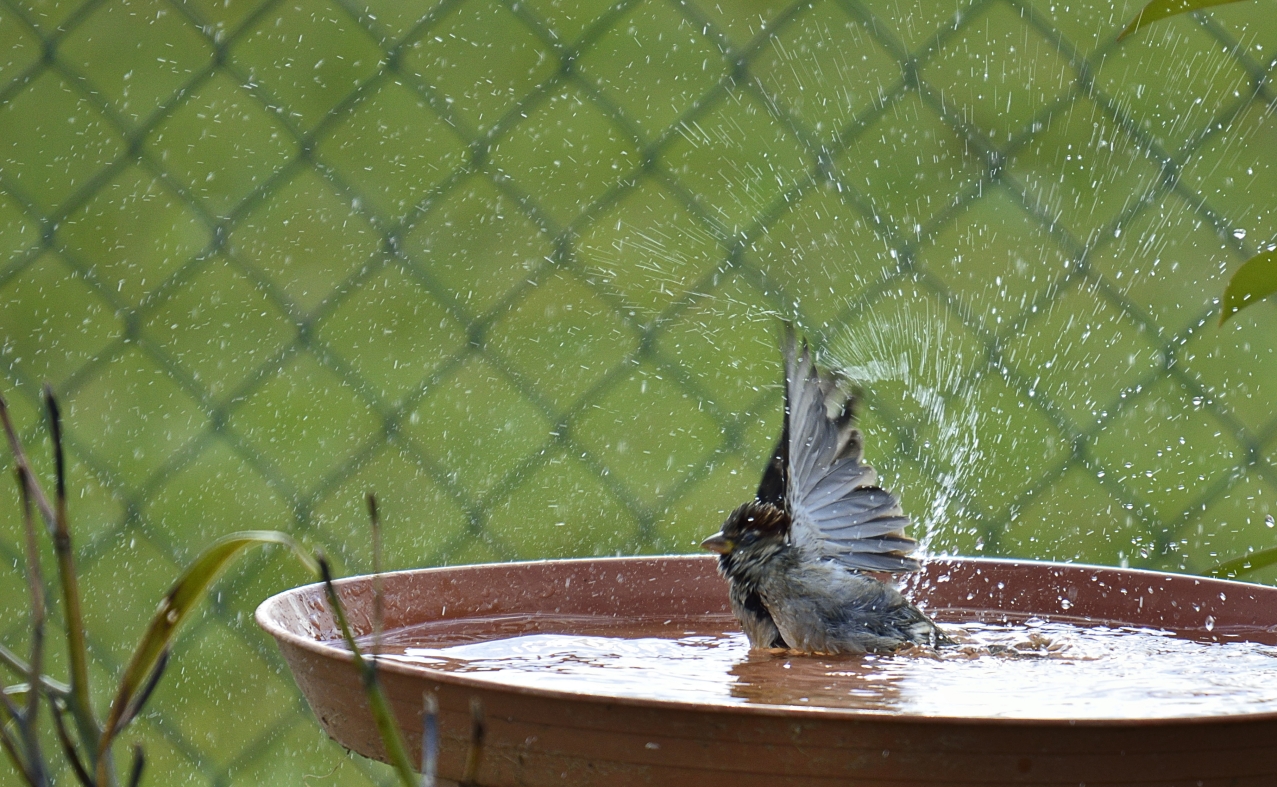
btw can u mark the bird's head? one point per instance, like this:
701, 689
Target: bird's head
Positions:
752, 533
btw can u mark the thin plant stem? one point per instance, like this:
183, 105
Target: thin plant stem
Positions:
11, 748
35, 581
57, 709
391, 738
15, 663
139, 762
29, 761
14, 713
80, 704
10, 708
76, 694
378, 596
20, 460
429, 739
474, 755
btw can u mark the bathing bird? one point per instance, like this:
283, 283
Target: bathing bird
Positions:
797, 558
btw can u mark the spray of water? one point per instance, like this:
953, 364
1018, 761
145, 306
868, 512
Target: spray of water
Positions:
909, 351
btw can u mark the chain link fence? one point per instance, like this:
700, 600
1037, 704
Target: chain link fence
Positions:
517, 266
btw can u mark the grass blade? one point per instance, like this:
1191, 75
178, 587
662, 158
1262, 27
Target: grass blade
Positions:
391, 738
175, 607
153, 680
1157, 10
1241, 566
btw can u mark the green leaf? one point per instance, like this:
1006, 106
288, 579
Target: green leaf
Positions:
1161, 9
1241, 566
1255, 280
175, 607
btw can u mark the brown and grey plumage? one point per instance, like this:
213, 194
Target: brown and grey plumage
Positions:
794, 556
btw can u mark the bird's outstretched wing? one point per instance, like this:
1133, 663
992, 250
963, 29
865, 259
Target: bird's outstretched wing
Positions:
831, 495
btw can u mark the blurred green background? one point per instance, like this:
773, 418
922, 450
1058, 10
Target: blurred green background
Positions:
519, 268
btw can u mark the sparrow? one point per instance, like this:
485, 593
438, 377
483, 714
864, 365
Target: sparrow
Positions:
795, 558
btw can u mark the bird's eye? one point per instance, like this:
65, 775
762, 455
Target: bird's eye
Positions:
748, 537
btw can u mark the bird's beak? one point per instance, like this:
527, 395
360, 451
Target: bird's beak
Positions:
718, 543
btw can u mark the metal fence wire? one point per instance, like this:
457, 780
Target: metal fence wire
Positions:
516, 265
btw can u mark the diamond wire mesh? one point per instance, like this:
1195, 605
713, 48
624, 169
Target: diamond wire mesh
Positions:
515, 265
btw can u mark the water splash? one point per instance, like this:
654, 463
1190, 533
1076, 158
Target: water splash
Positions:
908, 350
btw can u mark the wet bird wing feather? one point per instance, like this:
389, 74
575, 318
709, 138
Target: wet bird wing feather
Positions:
831, 495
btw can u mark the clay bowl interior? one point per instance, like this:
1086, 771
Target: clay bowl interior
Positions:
546, 737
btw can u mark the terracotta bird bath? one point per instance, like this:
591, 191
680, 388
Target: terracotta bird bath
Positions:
538, 735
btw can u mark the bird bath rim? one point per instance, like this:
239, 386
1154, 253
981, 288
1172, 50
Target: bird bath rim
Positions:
269, 613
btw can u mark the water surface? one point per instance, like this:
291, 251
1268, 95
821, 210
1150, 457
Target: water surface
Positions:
1024, 670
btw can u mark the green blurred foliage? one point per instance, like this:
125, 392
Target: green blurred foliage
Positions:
519, 268
1257, 277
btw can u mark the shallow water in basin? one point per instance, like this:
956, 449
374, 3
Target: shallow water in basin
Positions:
1030, 669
